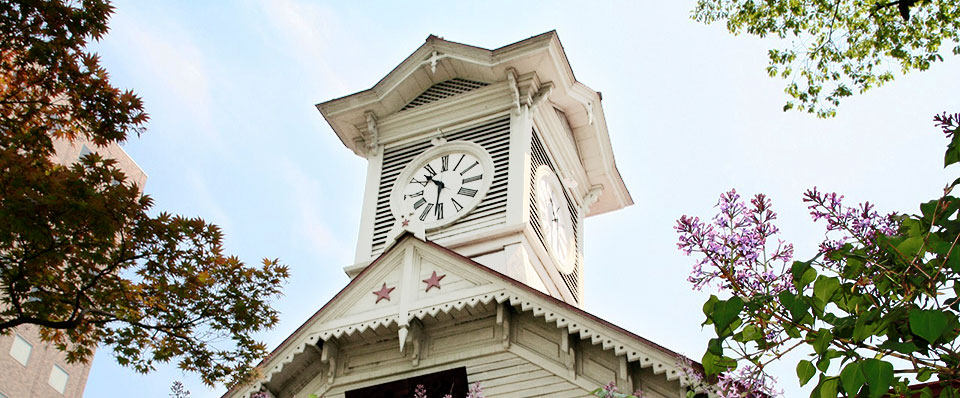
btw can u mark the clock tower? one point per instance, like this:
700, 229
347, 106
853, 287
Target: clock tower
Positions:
482, 166
498, 155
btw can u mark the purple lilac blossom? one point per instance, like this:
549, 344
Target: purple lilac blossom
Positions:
747, 382
949, 123
858, 225
736, 247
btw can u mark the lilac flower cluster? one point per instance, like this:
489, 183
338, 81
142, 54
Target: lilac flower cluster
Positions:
610, 391
747, 382
734, 247
949, 123
847, 224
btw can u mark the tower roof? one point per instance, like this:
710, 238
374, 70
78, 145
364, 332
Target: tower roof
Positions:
438, 60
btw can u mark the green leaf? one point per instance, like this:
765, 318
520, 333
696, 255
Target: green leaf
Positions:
824, 288
828, 387
926, 392
952, 154
724, 312
714, 364
928, 324
822, 341
751, 332
803, 274
851, 378
879, 376
805, 371
910, 246
708, 308
795, 304
924, 374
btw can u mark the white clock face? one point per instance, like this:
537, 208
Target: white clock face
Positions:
556, 223
442, 186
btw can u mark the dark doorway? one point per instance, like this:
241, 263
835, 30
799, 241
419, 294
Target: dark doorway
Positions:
453, 381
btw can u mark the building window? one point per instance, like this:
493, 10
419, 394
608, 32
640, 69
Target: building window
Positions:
2, 395
58, 378
20, 349
453, 381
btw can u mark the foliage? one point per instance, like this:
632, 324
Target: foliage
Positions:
80, 256
177, 390
610, 391
844, 46
877, 306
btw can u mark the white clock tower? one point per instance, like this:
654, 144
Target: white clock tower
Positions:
482, 166
498, 155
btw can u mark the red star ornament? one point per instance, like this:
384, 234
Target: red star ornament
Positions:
433, 281
383, 293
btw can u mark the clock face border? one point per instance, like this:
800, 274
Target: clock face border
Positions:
475, 150
565, 263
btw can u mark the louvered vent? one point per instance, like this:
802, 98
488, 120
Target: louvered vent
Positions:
539, 157
443, 90
494, 136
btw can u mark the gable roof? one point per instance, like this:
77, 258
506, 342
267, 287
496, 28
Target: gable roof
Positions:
577, 321
438, 60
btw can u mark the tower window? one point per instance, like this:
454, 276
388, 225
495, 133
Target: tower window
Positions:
20, 349
58, 378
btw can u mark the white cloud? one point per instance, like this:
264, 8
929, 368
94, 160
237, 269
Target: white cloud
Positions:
162, 52
307, 197
307, 30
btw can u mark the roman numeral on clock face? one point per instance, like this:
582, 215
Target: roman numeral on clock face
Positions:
456, 205
468, 168
467, 192
444, 162
472, 179
438, 210
413, 195
430, 170
419, 203
458, 161
426, 210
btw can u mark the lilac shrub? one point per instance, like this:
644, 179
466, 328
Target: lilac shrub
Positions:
736, 247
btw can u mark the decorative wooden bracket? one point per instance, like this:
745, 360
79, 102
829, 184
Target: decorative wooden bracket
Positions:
372, 129
566, 345
512, 78
542, 94
413, 338
328, 355
592, 196
503, 319
622, 373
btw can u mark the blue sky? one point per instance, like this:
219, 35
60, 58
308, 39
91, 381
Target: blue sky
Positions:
234, 138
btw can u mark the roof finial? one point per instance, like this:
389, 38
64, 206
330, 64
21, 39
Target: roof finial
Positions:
434, 58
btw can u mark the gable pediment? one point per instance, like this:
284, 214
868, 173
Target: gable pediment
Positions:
466, 294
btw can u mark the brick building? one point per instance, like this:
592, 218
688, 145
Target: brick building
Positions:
28, 366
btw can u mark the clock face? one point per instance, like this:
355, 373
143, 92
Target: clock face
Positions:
556, 223
443, 184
